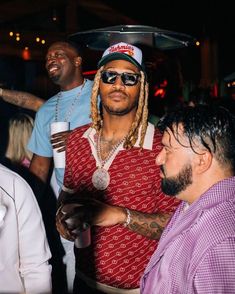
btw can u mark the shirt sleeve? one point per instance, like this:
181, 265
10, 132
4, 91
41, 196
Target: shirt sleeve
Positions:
216, 272
33, 246
39, 142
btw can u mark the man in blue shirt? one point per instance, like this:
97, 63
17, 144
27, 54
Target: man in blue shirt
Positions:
72, 104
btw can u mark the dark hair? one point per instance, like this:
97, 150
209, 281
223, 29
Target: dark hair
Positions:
212, 126
79, 49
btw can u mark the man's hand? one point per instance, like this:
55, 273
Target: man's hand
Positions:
62, 214
59, 140
74, 212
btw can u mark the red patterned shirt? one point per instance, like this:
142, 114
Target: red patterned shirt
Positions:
117, 256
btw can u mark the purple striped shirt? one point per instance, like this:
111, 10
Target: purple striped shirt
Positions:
196, 253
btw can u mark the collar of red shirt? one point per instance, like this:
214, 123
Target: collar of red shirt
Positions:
148, 140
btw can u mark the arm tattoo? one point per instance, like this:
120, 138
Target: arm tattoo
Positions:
148, 225
22, 99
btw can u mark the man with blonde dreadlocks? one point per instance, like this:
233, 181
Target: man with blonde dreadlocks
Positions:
112, 181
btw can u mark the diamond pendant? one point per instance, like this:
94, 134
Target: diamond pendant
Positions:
100, 179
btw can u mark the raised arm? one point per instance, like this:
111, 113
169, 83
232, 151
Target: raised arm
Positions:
21, 99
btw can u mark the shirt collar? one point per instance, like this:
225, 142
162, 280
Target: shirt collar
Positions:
148, 139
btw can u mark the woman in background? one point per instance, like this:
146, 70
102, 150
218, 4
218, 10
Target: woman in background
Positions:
19, 132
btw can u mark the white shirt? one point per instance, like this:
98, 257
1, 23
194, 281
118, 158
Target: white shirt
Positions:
24, 251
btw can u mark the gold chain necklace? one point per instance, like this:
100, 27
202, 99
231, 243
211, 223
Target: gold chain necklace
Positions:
101, 178
71, 108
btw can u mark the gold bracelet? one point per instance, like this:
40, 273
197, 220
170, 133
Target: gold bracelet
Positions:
128, 218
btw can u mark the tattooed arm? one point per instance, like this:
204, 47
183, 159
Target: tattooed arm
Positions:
148, 225
100, 214
21, 99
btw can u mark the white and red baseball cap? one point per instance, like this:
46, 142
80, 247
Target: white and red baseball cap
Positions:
123, 51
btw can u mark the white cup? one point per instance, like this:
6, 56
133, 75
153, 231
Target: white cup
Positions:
59, 157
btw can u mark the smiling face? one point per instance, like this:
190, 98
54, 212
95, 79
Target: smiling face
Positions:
62, 62
117, 98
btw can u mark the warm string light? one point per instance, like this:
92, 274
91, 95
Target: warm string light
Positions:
25, 52
38, 39
18, 38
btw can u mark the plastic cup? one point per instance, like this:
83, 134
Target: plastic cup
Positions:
83, 236
83, 233
59, 157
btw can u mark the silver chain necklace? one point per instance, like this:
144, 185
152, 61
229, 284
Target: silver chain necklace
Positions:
71, 108
101, 178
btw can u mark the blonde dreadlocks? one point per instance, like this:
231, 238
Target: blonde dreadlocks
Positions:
141, 118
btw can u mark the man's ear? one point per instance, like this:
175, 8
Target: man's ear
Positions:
78, 61
203, 162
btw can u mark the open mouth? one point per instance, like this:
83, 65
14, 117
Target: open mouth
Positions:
52, 69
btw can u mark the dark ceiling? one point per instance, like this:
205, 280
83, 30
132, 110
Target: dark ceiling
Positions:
190, 17
35, 18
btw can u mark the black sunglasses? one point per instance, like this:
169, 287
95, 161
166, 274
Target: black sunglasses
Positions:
128, 79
